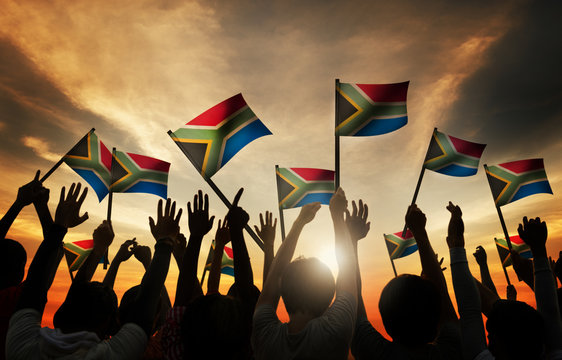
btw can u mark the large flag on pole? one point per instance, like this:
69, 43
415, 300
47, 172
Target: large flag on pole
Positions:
515, 180
300, 186
516, 244
91, 159
215, 136
370, 109
227, 264
399, 246
453, 156
135, 173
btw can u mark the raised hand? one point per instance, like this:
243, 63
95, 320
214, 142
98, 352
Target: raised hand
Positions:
126, 250
534, 233
30, 192
68, 209
415, 219
455, 233
198, 219
511, 293
103, 236
167, 226
179, 247
222, 236
237, 218
143, 254
480, 256
308, 212
266, 231
338, 204
356, 222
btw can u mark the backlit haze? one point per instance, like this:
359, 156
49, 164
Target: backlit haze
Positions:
487, 72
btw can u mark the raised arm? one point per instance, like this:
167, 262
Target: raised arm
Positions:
534, 233
482, 260
266, 232
103, 237
46, 259
468, 298
222, 237
416, 220
523, 268
271, 289
199, 224
125, 252
358, 227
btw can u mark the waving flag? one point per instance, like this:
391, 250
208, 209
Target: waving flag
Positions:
300, 186
91, 160
76, 252
453, 156
141, 174
516, 244
227, 265
214, 137
517, 179
399, 246
370, 109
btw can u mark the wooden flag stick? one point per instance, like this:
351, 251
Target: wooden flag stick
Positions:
337, 141
217, 191
52, 170
203, 276
281, 217
420, 178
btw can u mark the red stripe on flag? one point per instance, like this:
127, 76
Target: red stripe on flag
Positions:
515, 239
219, 112
522, 166
385, 92
84, 244
409, 234
310, 174
228, 252
105, 155
150, 163
467, 147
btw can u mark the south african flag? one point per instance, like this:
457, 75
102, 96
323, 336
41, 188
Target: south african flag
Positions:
370, 109
517, 179
300, 186
516, 244
227, 265
399, 246
91, 159
453, 156
76, 252
135, 173
215, 136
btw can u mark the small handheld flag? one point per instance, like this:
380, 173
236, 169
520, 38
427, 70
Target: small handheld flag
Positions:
300, 186
453, 156
227, 265
135, 173
215, 136
515, 180
516, 244
370, 109
399, 246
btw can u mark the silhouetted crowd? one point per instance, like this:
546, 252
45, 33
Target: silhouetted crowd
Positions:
327, 316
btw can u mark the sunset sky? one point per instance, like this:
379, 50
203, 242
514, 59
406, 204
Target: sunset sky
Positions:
487, 72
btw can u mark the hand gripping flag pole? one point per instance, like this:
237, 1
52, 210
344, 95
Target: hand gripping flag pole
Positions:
216, 190
52, 170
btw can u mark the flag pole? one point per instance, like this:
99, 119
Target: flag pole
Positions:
391, 261
203, 276
52, 170
281, 217
337, 140
420, 178
500, 215
217, 191
503, 267
109, 206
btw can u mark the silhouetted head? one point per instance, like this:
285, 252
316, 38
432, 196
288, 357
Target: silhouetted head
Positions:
559, 291
216, 327
307, 286
12, 263
515, 331
89, 306
233, 292
410, 308
127, 309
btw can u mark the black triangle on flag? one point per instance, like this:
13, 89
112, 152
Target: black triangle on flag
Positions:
81, 149
345, 108
283, 188
70, 257
505, 255
434, 150
496, 185
390, 246
197, 152
117, 171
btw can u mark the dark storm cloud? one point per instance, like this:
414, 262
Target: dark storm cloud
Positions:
514, 101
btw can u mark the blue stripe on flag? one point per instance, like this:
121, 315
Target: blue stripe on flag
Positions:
532, 188
242, 138
382, 126
457, 170
323, 198
94, 181
150, 188
228, 270
409, 250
